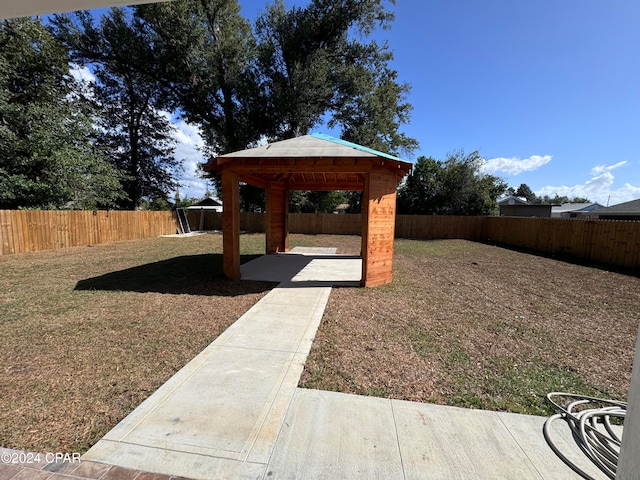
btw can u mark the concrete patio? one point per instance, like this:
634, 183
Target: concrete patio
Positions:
235, 410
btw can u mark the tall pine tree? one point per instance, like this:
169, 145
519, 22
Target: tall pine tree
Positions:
135, 133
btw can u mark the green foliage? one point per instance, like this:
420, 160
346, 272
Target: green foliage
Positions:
524, 191
156, 204
455, 186
559, 200
206, 53
370, 105
295, 63
312, 67
302, 65
303, 201
297, 68
252, 198
354, 199
135, 135
49, 156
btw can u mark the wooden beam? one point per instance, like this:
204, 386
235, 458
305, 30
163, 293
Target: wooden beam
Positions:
254, 180
231, 224
277, 218
364, 235
300, 165
307, 164
379, 210
347, 186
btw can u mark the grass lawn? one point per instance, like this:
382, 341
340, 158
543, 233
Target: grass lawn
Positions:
88, 333
474, 325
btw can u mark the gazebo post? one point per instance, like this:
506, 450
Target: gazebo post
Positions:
231, 223
378, 226
277, 218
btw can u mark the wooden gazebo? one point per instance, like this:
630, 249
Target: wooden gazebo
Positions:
313, 162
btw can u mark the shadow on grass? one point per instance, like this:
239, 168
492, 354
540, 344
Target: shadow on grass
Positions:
189, 274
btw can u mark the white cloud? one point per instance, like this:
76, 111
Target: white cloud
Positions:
189, 142
83, 78
597, 189
188, 148
598, 169
515, 165
81, 74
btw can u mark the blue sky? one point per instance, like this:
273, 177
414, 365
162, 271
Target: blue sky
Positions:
547, 91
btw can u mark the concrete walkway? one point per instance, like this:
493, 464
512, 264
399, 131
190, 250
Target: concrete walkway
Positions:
235, 410
220, 415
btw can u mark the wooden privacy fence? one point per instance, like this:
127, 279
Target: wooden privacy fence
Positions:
211, 220
608, 242
328, 223
24, 231
309, 223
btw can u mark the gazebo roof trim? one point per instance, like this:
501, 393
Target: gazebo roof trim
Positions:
339, 141
316, 145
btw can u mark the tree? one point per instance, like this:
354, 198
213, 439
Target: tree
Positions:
47, 141
136, 135
252, 198
422, 193
206, 55
302, 66
454, 186
559, 200
370, 106
312, 67
354, 199
525, 192
301, 201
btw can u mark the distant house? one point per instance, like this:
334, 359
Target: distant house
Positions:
575, 210
512, 206
207, 204
622, 211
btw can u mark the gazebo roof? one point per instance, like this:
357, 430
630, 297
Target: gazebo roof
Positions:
310, 162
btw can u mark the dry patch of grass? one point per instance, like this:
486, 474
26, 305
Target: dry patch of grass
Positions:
88, 333
479, 326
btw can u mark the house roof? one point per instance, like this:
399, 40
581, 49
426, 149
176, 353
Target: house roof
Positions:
29, 8
512, 200
626, 208
309, 162
573, 207
207, 202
